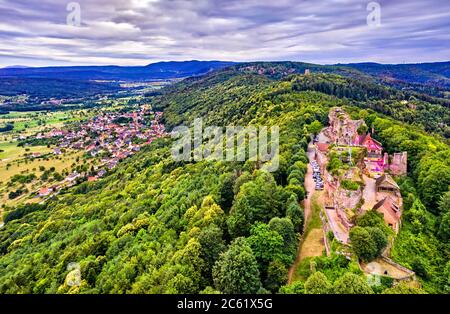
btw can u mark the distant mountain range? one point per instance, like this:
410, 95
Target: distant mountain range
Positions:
16, 67
433, 74
430, 80
155, 71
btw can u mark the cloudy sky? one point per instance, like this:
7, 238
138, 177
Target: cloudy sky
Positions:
138, 32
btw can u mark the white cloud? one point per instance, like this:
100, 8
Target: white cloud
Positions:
131, 32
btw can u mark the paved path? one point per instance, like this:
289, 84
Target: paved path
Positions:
369, 193
339, 231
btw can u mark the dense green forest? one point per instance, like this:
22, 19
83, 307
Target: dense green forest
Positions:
160, 226
41, 88
404, 106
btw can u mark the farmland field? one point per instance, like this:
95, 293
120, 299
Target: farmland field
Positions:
19, 160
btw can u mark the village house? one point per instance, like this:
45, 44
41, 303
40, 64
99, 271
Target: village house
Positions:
45, 191
135, 148
55, 133
101, 173
112, 163
90, 147
389, 199
77, 145
73, 176
374, 148
94, 152
386, 184
391, 212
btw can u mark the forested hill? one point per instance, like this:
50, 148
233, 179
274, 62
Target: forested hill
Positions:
437, 74
159, 226
429, 113
153, 71
428, 82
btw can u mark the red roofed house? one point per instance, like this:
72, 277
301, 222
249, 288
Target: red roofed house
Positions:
90, 147
374, 148
391, 212
323, 147
45, 192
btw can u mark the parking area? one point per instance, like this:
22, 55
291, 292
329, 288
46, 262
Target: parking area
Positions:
317, 176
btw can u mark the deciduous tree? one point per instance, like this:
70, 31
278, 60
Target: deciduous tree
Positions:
318, 283
236, 270
362, 243
351, 283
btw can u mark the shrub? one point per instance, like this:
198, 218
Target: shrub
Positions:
349, 185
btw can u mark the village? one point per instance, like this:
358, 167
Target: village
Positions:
110, 137
352, 174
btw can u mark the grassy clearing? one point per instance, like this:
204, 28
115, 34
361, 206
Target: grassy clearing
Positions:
59, 164
10, 151
312, 243
13, 161
32, 166
314, 219
32, 122
303, 270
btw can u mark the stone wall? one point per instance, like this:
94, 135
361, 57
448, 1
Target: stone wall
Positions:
399, 164
349, 199
342, 129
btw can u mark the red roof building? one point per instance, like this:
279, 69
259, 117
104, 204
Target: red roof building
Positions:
391, 212
373, 146
92, 179
44, 191
323, 147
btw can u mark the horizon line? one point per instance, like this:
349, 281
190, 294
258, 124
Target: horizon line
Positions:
18, 66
